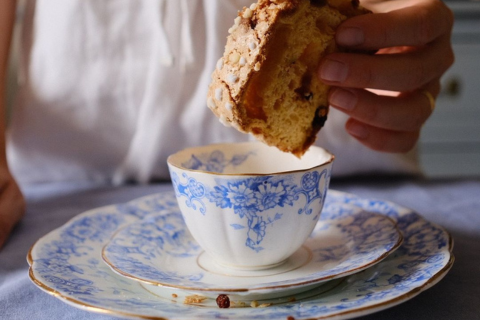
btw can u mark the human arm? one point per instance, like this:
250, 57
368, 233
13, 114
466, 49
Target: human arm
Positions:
12, 204
414, 50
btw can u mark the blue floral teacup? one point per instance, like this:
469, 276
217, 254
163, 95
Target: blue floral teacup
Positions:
248, 205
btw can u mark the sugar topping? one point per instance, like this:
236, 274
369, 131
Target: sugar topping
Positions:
236, 23
211, 104
223, 120
232, 78
220, 64
219, 94
248, 13
234, 57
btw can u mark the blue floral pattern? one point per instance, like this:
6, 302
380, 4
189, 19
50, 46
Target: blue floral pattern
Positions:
214, 161
366, 238
67, 262
157, 236
250, 197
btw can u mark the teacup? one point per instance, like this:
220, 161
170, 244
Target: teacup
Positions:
250, 206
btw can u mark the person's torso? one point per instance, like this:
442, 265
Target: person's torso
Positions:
111, 88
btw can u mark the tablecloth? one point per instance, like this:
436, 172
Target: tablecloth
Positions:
454, 204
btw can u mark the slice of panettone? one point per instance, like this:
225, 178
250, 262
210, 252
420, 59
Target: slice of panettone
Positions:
266, 83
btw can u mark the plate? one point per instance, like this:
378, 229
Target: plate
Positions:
67, 263
159, 250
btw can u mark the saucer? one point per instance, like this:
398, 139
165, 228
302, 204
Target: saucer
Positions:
67, 264
159, 250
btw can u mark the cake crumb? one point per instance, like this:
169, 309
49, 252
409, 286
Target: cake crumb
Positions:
238, 304
194, 299
255, 304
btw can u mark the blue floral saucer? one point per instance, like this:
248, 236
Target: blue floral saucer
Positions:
159, 250
67, 263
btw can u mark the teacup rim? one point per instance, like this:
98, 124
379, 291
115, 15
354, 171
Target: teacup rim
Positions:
169, 162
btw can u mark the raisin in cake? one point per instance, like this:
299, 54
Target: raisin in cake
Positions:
266, 83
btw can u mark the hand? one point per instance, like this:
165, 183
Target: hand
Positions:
412, 39
12, 205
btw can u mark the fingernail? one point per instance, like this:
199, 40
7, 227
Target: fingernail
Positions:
333, 70
350, 36
358, 130
343, 99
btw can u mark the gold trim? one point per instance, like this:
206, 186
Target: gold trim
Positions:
431, 99
29, 255
169, 161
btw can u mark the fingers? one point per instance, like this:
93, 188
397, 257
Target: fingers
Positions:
397, 72
407, 112
414, 43
385, 123
380, 139
412, 40
410, 26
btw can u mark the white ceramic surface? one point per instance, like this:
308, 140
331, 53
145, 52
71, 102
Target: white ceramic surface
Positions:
248, 205
67, 264
159, 250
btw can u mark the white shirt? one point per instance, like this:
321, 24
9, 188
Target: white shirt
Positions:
109, 89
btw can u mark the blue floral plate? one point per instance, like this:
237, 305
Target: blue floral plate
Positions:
67, 263
159, 250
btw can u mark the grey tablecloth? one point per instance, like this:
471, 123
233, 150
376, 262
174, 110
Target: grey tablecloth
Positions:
455, 204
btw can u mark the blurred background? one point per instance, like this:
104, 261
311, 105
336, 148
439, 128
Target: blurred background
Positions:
450, 142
